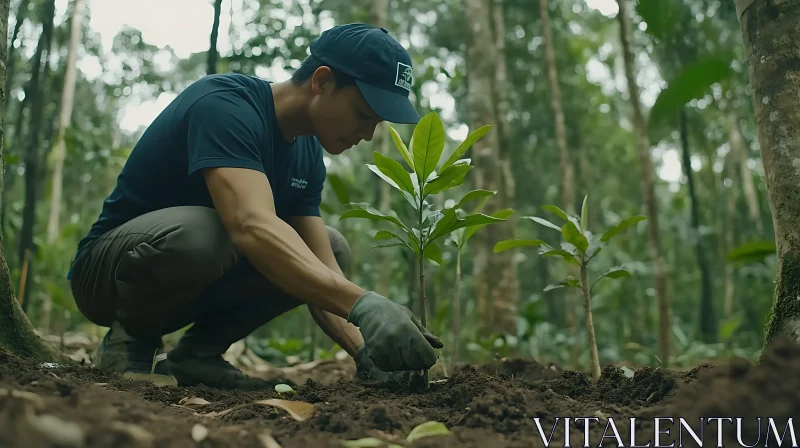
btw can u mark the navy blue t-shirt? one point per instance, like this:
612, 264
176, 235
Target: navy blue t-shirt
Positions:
225, 120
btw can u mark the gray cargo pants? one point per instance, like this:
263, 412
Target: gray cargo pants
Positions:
166, 269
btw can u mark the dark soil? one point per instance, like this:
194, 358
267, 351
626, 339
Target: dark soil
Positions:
495, 405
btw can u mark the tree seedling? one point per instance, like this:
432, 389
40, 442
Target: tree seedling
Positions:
424, 180
580, 247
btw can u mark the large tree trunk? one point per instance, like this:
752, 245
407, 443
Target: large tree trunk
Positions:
739, 152
64, 120
567, 169
771, 34
494, 273
39, 78
647, 187
16, 332
382, 142
213, 54
708, 321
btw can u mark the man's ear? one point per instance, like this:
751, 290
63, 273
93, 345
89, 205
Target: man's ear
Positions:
322, 80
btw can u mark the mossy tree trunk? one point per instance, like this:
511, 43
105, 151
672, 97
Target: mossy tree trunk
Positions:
771, 35
16, 332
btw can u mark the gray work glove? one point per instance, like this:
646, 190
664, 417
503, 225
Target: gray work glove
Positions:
367, 371
395, 339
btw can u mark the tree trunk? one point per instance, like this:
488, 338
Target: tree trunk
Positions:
728, 243
22, 11
771, 32
41, 72
494, 273
708, 322
16, 332
213, 55
64, 120
739, 152
567, 169
647, 186
382, 141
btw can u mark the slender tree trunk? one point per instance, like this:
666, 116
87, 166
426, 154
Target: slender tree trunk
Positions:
567, 168
41, 68
730, 206
708, 322
64, 120
22, 11
16, 332
647, 185
508, 297
739, 152
213, 54
771, 32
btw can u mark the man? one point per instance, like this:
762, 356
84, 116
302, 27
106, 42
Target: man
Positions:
215, 221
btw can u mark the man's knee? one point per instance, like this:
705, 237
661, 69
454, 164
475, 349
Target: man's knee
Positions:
341, 249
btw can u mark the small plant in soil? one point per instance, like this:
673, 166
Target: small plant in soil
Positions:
424, 181
579, 248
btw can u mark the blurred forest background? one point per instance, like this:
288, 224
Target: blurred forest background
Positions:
552, 79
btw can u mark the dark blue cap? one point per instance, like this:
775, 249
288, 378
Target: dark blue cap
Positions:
380, 65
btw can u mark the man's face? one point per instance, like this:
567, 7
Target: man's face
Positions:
341, 118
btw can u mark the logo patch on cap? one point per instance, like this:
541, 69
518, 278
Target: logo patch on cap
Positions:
405, 77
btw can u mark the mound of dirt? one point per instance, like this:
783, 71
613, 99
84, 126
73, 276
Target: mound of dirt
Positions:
512, 403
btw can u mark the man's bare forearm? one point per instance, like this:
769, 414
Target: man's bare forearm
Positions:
277, 251
339, 330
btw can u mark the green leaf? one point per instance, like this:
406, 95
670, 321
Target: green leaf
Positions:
568, 283
505, 245
427, 145
660, 16
473, 195
284, 389
447, 224
503, 214
615, 272
752, 252
557, 210
339, 188
563, 254
574, 236
624, 224
367, 442
428, 429
584, 213
433, 253
543, 222
398, 142
365, 211
690, 84
449, 178
465, 145
395, 171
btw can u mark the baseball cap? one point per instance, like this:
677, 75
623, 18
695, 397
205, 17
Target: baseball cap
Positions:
380, 66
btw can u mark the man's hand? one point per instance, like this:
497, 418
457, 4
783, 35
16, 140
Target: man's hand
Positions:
367, 371
394, 337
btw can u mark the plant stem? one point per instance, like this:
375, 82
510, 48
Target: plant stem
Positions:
593, 356
422, 302
457, 308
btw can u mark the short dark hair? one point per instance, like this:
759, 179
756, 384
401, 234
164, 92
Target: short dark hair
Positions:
311, 64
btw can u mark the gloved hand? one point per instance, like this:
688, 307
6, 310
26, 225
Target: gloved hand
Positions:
395, 339
367, 371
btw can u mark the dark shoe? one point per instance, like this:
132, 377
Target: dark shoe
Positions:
119, 352
191, 368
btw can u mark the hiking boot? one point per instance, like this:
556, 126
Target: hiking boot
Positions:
191, 368
119, 352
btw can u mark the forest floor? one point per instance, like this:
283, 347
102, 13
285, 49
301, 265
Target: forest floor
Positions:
493, 405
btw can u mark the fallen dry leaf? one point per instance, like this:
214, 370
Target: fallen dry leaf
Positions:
199, 432
268, 441
59, 432
194, 401
299, 410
